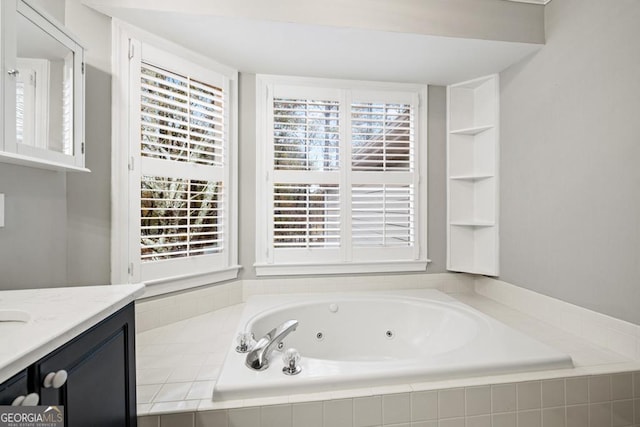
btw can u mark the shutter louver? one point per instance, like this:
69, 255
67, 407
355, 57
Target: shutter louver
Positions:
382, 137
180, 218
306, 134
181, 119
306, 216
382, 215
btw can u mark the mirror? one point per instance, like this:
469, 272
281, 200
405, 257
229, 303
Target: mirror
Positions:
44, 89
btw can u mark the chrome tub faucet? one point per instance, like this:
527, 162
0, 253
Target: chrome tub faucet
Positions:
258, 357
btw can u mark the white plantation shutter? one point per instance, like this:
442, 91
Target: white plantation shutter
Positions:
180, 218
383, 164
342, 175
306, 216
306, 134
382, 137
383, 215
182, 119
181, 181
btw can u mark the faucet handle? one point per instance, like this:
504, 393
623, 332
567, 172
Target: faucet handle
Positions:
291, 357
245, 342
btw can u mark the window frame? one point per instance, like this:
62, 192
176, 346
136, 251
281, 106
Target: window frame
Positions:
266, 264
126, 264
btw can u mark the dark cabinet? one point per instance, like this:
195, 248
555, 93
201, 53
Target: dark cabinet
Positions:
13, 387
96, 375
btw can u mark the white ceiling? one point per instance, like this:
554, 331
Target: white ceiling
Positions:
261, 46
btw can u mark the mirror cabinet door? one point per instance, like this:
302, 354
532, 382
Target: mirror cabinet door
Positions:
43, 92
44, 89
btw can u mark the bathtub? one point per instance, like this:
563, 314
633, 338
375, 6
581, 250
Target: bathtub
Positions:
377, 338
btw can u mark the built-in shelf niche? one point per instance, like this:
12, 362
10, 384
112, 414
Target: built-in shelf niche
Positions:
472, 176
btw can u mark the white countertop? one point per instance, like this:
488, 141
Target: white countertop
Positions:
56, 315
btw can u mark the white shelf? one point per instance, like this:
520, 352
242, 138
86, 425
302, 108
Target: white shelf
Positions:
473, 180
472, 130
470, 177
473, 224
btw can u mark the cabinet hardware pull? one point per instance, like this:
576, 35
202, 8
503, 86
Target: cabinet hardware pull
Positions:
55, 379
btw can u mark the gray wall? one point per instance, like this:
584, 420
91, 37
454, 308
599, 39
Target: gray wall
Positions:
570, 166
33, 241
247, 177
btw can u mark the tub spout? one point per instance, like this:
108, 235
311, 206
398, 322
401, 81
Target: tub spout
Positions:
258, 357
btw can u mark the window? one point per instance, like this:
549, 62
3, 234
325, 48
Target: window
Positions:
340, 167
180, 205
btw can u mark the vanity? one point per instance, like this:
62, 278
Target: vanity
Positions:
73, 347
41, 90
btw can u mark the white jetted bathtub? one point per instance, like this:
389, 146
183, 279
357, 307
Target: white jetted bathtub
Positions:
377, 338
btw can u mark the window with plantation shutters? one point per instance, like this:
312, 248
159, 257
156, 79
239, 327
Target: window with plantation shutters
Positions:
342, 163
181, 223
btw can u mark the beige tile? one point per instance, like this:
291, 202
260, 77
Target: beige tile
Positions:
183, 374
451, 403
275, 416
177, 420
553, 393
208, 372
143, 409
622, 413
599, 388
636, 384
425, 424
172, 392
530, 418
503, 398
529, 395
307, 414
396, 408
622, 386
338, 413
478, 400
578, 416
367, 411
600, 414
553, 417
212, 419
174, 407
424, 405
577, 390
201, 390
152, 376
451, 422
636, 411
244, 417
507, 419
149, 421
479, 421
146, 393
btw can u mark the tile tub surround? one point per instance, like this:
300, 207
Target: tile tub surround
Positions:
56, 315
178, 366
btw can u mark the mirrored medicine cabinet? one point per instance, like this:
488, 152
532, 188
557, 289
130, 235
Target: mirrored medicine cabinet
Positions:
42, 90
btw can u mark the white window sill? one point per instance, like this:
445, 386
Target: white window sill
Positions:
300, 269
180, 283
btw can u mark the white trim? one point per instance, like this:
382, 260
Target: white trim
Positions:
180, 283
339, 268
126, 267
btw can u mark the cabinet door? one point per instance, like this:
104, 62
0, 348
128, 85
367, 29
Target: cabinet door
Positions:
13, 387
100, 363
